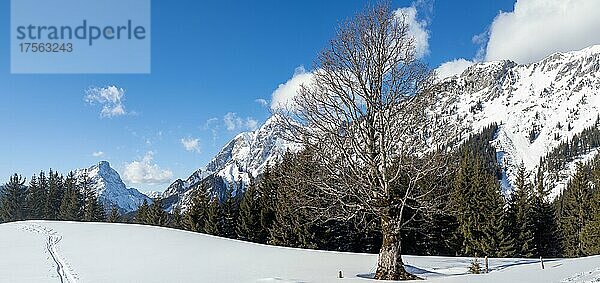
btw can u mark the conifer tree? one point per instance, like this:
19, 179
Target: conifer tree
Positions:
545, 228
520, 212
12, 200
156, 215
266, 190
54, 195
142, 213
478, 207
176, 219
590, 235
591, 230
575, 213
114, 215
72, 201
93, 210
214, 218
36, 197
249, 226
230, 214
194, 218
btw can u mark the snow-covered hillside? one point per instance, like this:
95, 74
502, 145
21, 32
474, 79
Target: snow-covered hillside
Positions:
110, 189
536, 105
244, 156
45, 251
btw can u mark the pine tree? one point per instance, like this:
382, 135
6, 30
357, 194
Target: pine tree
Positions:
591, 230
521, 216
478, 207
12, 200
214, 218
54, 195
93, 210
141, 216
590, 235
266, 190
194, 218
36, 197
545, 227
114, 215
249, 226
575, 212
156, 215
176, 219
72, 201
230, 214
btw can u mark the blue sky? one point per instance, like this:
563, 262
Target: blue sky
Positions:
211, 61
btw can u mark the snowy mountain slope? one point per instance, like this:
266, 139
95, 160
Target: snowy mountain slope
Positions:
110, 189
536, 105
242, 158
33, 251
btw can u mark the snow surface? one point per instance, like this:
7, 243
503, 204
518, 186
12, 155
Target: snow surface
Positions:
46, 251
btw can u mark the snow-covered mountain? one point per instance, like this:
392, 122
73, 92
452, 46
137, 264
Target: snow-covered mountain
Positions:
242, 158
536, 105
110, 189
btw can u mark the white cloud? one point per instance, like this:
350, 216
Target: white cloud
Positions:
538, 28
251, 123
191, 144
144, 171
454, 67
98, 154
111, 99
416, 28
262, 102
235, 123
283, 96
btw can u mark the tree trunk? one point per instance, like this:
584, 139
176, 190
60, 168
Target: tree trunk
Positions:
389, 264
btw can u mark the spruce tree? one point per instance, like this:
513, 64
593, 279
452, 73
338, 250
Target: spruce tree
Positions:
521, 216
545, 227
214, 218
93, 210
590, 235
114, 215
36, 197
141, 216
591, 230
478, 207
230, 214
156, 215
194, 218
266, 190
249, 226
54, 195
176, 219
575, 212
12, 200
72, 201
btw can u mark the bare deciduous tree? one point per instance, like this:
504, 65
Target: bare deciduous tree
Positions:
365, 116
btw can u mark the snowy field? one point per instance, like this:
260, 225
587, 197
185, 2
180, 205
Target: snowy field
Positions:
38, 251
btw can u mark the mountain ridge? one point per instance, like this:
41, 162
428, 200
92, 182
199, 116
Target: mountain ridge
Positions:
110, 189
536, 106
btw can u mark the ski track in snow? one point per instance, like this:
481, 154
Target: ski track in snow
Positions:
590, 276
64, 271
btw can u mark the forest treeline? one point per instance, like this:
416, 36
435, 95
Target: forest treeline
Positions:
476, 218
